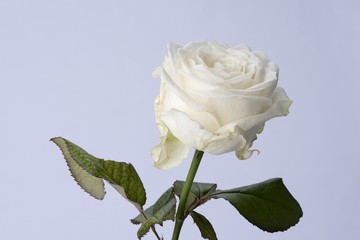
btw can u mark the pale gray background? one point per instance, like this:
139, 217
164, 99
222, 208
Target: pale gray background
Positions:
82, 70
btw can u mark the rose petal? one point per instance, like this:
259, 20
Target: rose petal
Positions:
171, 99
280, 107
170, 152
228, 110
226, 141
180, 93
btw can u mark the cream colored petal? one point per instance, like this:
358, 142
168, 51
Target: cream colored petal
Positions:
180, 93
170, 152
280, 107
193, 134
228, 141
228, 110
242, 47
171, 100
245, 153
188, 131
250, 136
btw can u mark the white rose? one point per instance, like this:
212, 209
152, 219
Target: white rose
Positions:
215, 99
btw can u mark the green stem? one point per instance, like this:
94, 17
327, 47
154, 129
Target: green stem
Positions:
181, 214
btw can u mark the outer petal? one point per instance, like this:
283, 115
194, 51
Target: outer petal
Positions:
250, 136
188, 131
231, 109
193, 134
180, 92
280, 107
173, 97
227, 141
170, 151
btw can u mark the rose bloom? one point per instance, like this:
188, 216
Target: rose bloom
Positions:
214, 98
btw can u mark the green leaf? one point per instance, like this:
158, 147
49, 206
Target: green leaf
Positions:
88, 171
167, 196
206, 229
164, 199
92, 185
268, 205
158, 217
162, 210
199, 193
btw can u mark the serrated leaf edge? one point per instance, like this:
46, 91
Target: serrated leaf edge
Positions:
74, 166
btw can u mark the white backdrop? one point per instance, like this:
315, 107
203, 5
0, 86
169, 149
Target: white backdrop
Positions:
82, 70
